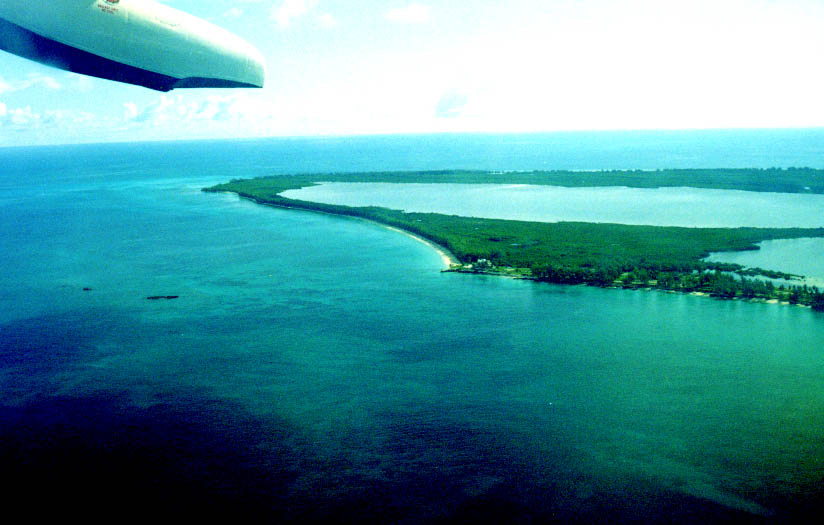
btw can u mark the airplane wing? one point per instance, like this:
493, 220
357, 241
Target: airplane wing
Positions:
138, 42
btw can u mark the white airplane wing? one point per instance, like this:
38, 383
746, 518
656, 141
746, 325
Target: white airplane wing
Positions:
138, 42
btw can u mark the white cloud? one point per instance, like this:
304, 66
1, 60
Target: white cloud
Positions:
234, 12
26, 119
167, 116
175, 110
289, 10
231, 108
82, 83
451, 105
18, 118
131, 110
29, 82
412, 14
216, 108
155, 113
327, 21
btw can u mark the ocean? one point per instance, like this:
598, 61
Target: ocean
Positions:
313, 367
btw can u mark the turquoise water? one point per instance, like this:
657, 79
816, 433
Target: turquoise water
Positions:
689, 207
316, 367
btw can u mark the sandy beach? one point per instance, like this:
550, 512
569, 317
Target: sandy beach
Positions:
446, 256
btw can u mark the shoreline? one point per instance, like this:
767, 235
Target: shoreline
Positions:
447, 257
452, 265
486, 250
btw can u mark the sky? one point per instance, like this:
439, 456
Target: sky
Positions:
360, 67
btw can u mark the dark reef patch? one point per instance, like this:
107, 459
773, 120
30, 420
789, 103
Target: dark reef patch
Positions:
102, 459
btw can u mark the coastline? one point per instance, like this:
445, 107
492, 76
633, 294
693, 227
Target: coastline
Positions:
663, 258
447, 257
452, 264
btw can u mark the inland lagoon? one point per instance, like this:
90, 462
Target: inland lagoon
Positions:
688, 207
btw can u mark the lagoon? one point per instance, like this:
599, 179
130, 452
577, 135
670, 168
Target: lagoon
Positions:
795, 256
689, 207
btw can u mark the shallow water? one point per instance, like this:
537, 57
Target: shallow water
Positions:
316, 367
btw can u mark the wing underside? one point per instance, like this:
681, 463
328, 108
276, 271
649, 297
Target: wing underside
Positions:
149, 53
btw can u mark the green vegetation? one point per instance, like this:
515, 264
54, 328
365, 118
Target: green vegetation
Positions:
629, 256
781, 180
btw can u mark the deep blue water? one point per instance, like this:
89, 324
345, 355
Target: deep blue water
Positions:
315, 367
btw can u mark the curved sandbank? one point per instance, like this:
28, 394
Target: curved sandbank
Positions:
447, 257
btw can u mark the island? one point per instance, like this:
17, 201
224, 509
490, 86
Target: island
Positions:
596, 254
